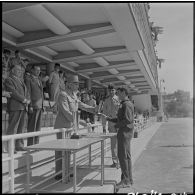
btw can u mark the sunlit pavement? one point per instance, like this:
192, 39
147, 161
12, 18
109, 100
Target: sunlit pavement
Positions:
166, 164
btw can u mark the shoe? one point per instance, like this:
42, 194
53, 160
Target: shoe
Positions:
113, 165
122, 184
58, 177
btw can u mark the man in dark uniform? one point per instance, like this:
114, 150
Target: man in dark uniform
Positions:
124, 124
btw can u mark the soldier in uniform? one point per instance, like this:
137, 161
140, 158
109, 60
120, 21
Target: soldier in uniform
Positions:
54, 82
68, 104
124, 123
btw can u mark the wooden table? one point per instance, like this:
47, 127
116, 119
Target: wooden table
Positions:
73, 145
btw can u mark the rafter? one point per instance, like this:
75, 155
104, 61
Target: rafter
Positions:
46, 37
142, 85
8, 39
113, 82
99, 52
126, 80
138, 73
41, 13
11, 7
115, 64
139, 84
144, 89
40, 54
85, 76
11, 30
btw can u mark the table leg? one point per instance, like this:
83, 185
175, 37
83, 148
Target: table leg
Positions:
90, 156
63, 166
74, 172
28, 171
68, 165
117, 161
102, 162
105, 143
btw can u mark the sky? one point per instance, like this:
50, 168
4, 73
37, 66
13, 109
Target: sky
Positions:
175, 45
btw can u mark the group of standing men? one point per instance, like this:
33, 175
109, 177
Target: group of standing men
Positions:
27, 97
23, 88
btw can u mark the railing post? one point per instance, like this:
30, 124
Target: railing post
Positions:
11, 149
28, 171
63, 133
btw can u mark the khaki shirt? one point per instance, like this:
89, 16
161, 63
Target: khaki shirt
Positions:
54, 78
68, 104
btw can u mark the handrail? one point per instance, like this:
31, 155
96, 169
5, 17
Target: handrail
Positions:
40, 133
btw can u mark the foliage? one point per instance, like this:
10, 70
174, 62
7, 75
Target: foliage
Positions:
179, 104
175, 108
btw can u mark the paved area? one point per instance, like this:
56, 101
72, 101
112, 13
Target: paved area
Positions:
166, 164
89, 180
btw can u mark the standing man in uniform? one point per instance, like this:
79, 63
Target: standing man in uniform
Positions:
124, 123
35, 89
17, 104
54, 82
68, 104
110, 108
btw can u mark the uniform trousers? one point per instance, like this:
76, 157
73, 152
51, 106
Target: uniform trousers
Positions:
58, 163
17, 120
54, 87
34, 124
113, 144
124, 155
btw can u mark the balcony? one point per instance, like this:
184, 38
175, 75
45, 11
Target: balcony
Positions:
140, 14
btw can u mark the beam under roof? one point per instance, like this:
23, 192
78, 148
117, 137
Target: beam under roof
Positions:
11, 7
138, 73
114, 64
144, 89
139, 84
119, 81
46, 37
40, 54
142, 85
42, 14
99, 52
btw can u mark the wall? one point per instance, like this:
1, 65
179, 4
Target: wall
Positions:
142, 102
